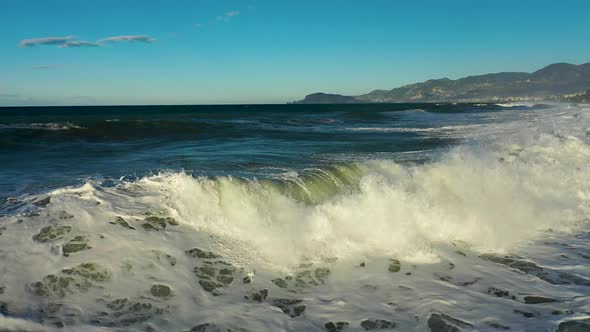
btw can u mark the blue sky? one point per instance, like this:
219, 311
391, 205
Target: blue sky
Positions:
269, 51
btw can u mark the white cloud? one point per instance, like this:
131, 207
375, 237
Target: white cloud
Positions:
79, 43
70, 42
45, 67
227, 16
45, 41
49, 66
139, 38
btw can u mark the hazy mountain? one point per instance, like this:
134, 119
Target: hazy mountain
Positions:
555, 79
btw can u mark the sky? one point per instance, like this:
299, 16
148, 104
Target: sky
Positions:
114, 52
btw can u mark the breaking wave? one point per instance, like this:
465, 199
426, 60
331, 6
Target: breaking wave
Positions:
380, 207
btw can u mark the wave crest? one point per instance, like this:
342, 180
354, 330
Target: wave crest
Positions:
52, 126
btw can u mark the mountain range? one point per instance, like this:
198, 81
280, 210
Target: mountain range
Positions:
551, 82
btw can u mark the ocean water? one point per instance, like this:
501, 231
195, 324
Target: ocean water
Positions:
406, 217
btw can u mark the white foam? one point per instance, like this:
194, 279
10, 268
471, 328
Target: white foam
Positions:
516, 104
406, 129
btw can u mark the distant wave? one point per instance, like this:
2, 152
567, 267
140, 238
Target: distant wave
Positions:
53, 126
516, 104
404, 130
415, 110
412, 110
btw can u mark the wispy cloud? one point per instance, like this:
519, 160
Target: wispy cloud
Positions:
40, 67
71, 42
49, 66
139, 38
227, 16
79, 43
45, 41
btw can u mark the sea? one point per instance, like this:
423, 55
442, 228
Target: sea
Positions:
390, 217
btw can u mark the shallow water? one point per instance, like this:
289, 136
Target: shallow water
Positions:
295, 218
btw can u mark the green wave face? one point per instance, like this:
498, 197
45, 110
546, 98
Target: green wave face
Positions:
318, 185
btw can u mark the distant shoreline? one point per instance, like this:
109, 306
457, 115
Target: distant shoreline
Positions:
556, 82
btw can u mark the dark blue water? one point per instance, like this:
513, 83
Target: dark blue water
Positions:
47, 148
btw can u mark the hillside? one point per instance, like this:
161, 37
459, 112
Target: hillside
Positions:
553, 80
